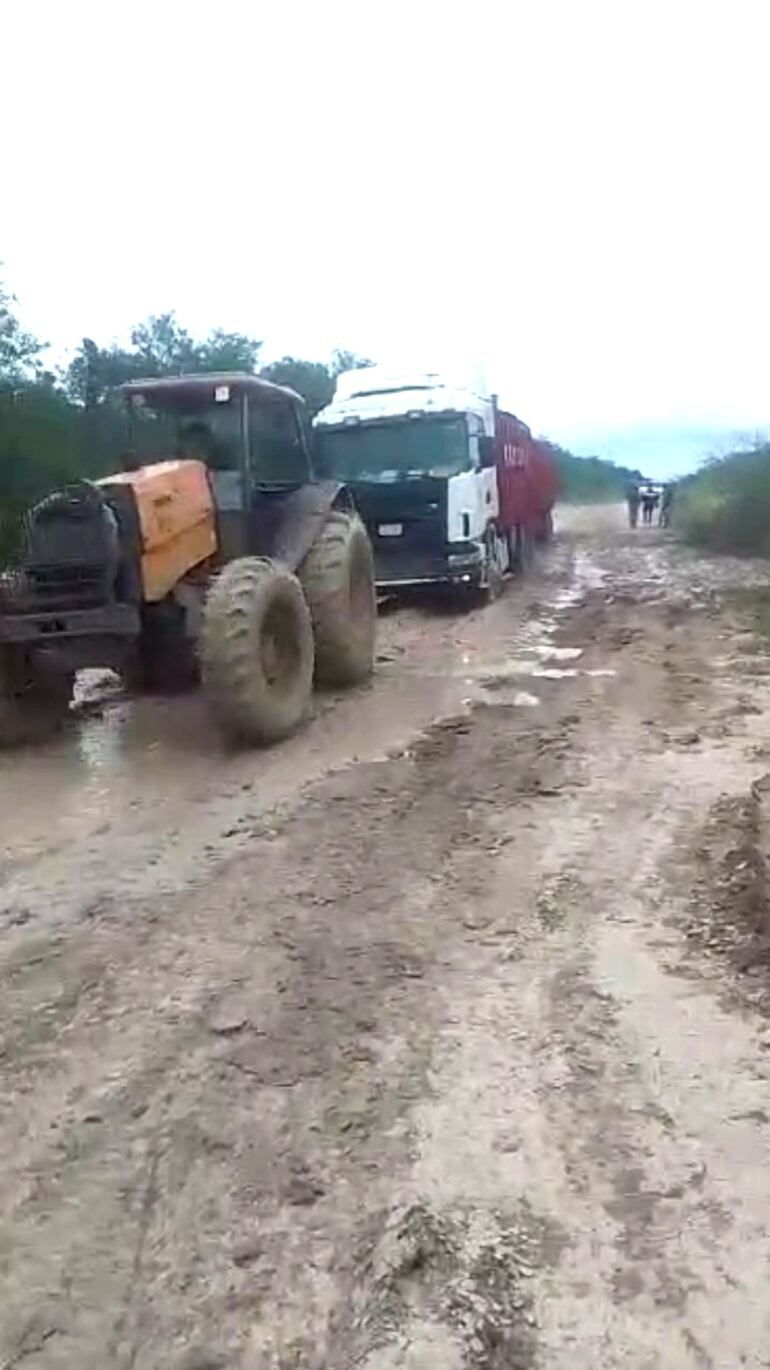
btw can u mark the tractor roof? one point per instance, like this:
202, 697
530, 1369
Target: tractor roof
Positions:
169, 388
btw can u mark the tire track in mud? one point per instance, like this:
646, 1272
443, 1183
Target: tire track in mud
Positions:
326, 1039
590, 1133
409, 1081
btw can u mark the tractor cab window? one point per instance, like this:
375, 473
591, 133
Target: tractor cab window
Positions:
150, 437
211, 434
200, 431
278, 455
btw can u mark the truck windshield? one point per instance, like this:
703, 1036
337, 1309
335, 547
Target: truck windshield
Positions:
402, 448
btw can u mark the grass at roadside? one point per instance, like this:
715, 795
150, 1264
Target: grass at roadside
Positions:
754, 602
726, 506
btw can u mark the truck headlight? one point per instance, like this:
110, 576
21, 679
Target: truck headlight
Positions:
470, 558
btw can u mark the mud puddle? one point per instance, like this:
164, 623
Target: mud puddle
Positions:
141, 795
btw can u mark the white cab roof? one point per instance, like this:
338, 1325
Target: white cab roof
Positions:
374, 393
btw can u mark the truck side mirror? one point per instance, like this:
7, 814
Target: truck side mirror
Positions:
486, 452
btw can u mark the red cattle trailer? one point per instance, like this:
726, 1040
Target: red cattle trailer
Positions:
527, 482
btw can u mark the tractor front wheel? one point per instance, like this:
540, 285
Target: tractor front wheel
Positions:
337, 577
256, 651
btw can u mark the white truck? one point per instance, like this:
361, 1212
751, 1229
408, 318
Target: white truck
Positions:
448, 485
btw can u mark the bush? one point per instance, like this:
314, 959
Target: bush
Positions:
45, 442
726, 506
589, 480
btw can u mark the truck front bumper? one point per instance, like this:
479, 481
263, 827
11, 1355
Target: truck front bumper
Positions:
458, 563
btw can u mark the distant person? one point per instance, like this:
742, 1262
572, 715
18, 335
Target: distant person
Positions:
632, 500
666, 501
649, 505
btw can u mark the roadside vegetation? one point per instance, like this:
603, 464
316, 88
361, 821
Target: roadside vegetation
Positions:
753, 602
59, 426
590, 480
725, 506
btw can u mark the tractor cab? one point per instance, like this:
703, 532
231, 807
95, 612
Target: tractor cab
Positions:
252, 437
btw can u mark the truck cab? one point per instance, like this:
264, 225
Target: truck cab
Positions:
419, 457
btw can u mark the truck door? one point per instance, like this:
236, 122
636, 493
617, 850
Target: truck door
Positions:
472, 496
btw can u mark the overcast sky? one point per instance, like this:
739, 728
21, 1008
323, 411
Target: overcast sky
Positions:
572, 194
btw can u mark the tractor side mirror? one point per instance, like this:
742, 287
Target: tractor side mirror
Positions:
486, 452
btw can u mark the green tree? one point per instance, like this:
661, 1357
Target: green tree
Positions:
223, 351
19, 350
314, 381
44, 443
163, 347
589, 480
159, 347
725, 505
95, 371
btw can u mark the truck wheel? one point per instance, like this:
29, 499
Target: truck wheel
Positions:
31, 708
544, 532
496, 562
522, 545
256, 650
337, 577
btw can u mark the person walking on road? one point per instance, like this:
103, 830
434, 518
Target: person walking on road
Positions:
632, 500
649, 505
667, 499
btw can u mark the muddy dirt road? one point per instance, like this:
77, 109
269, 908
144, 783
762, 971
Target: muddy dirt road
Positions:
436, 1038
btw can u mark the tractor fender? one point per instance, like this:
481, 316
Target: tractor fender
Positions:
303, 514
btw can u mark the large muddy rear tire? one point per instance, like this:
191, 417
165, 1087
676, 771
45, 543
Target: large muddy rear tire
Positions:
256, 651
338, 580
32, 708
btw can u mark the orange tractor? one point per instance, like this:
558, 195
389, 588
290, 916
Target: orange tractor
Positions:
227, 562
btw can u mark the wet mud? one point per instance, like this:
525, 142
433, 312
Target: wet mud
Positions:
434, 1038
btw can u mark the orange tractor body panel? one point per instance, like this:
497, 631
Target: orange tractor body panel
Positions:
176, 518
